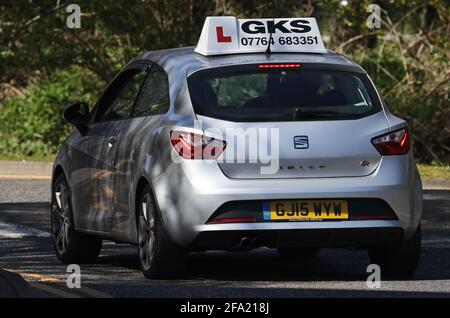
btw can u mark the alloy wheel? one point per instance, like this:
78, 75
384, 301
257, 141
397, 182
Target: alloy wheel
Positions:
146, 231
61, 218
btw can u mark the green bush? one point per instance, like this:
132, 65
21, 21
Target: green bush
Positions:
418, 94
31, 125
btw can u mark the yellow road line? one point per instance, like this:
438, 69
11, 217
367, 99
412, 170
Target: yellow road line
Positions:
38, 277
33, 278
23, 177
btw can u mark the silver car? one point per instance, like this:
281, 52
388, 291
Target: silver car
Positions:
184, 152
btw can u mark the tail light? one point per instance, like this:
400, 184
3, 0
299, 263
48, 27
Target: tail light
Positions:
393, 143
196, 146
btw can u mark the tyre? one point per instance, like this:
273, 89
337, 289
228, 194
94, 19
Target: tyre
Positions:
399, 260
71, 247
159, 255
298, 252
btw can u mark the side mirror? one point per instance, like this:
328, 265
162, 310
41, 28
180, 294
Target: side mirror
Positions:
78, 115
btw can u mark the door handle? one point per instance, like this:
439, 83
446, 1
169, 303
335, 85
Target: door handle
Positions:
111, 140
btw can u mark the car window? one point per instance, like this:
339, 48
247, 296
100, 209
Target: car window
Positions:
119, 103
154, 96
237, 90
281, 95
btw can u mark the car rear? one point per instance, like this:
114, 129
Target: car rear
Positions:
328, 169
274, 141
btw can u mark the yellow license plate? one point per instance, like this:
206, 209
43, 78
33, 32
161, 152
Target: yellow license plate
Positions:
305, 210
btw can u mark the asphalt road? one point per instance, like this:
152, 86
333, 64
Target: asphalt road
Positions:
25, 247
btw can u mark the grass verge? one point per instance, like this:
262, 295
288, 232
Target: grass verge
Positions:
434, 172
33, 159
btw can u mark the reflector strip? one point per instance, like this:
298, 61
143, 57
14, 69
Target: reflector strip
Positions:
233, 220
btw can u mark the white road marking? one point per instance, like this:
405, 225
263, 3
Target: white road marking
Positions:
11, 230
438, 242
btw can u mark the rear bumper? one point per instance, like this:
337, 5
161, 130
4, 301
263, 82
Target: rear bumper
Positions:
189, 193
333, 237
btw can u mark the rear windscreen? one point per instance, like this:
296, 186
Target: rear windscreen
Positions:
234, 94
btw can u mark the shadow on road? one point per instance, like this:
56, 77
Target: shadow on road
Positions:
258, 265
329, 265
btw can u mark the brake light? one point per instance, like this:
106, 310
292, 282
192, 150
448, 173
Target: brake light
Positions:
196, 146
278, 65
393, 143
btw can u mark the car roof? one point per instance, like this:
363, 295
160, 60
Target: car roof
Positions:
189, 61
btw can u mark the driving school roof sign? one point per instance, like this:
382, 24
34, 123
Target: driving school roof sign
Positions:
226, 35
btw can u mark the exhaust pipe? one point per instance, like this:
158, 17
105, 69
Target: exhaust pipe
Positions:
250, 243
245, 243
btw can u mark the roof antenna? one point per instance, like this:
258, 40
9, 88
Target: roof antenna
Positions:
268, 50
